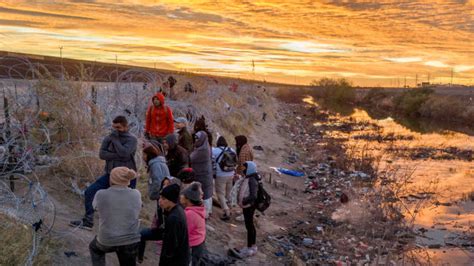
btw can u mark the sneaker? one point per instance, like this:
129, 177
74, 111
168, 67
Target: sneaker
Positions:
248, 252
83, 224
240, 218
253, 250
244, 251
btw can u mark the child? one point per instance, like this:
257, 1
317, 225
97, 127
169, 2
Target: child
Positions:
191, 199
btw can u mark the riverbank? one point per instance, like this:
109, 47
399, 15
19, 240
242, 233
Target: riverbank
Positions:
435, 199
430, 109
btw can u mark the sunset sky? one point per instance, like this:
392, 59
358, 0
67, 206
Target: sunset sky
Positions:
369, 42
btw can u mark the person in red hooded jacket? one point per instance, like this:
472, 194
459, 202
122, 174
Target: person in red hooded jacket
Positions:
159, 119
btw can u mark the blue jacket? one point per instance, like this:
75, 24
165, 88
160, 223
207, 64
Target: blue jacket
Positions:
158, 171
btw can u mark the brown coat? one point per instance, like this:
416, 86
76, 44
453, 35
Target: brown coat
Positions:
245, 155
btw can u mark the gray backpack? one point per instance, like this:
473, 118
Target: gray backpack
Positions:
228, 162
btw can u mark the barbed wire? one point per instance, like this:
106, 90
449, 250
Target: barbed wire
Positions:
29, 139
45, 109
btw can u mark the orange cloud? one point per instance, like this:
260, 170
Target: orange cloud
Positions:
371, 43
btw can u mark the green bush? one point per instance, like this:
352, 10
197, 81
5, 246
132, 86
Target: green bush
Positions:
410, 102
442, 108
336, 90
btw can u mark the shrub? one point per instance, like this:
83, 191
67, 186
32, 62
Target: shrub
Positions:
291, 95
442, 108
410, 102
336, 90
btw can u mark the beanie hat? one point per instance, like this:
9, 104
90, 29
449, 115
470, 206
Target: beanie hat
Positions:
121, 176
186, 175
193, 192
171, 193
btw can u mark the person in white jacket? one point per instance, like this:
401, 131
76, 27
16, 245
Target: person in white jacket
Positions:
224, 177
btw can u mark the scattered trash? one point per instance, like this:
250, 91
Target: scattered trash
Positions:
293, 158
307, 241
279, 254
360, 175
258, 148
288, 172
70, 254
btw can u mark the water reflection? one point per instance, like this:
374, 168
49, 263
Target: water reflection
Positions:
420, 125
449, 216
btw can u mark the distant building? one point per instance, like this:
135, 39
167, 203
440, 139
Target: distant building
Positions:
425, 84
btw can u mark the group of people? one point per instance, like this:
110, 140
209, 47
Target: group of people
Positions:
183, 170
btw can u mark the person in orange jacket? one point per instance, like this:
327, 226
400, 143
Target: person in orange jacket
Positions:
159, 119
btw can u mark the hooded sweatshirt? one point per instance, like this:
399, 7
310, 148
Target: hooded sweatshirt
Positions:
117, 150
249, 187
196, 219
158, 172
159, 121
201, 163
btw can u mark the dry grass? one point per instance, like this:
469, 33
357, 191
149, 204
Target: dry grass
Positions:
71, 121
231, 113
17, 242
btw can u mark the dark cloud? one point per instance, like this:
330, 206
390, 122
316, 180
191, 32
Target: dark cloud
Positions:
358, 5
149, 49
39, 14
21, 23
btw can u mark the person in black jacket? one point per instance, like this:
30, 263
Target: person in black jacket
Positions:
117, 149
247, 201
177, 157
175, 250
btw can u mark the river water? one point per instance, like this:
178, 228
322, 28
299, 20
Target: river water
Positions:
439, 159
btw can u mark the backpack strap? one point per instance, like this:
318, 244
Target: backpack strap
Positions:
220, 155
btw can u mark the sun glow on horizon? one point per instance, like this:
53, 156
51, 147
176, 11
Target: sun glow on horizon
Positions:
371, 43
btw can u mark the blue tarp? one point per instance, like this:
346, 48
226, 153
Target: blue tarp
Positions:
289, 172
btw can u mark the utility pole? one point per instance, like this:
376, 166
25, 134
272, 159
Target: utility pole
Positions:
416, 80
116, 65
405, 82
61, 58
452, 75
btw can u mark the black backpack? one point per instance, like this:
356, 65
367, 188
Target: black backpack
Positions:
228, 163
263, 198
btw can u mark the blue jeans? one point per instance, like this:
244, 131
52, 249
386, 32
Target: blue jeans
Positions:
102, 182
148, 234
